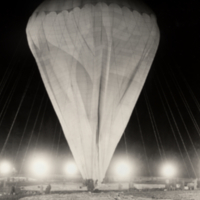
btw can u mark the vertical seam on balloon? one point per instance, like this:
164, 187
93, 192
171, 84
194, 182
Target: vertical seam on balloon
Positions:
76, 109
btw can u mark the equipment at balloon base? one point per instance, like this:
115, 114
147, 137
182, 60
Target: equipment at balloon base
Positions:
90, 184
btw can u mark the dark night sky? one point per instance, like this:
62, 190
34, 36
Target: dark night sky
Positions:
168, 108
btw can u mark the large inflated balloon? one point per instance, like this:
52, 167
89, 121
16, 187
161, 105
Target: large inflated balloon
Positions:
93, 57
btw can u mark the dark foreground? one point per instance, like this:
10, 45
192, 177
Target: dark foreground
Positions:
108, 195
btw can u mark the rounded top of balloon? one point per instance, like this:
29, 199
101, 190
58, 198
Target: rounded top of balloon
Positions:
60, 5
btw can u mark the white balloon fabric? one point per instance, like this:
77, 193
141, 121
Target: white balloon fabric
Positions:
94, 57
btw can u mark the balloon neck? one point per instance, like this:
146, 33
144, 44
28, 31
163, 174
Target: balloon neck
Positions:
91, 184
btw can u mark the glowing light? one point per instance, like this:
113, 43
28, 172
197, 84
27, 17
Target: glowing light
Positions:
5, 167
70, 168
40, 167
168, 170
123, 169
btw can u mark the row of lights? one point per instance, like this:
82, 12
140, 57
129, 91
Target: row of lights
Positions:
40, 167
167, 170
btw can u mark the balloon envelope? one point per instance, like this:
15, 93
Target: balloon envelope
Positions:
94, 57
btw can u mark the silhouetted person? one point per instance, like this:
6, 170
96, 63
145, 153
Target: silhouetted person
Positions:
12, 192
48, 189
90, 185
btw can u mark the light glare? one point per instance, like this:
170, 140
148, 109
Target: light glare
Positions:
168, 170
123, 169
40, 167
5, 167
71, 168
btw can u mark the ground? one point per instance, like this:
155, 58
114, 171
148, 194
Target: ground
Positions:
63, 190
132, 195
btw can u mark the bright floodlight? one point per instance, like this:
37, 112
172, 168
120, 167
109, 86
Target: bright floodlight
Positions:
70, 168
40, 167
5, 167
123, 169
169, 170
